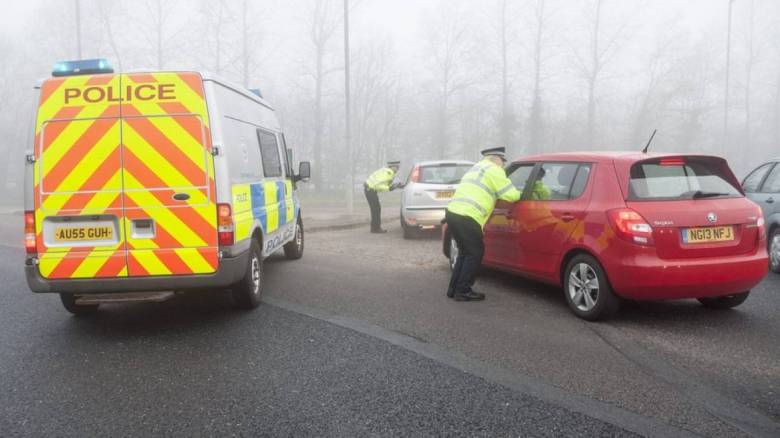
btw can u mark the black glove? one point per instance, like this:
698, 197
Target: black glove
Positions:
394, 186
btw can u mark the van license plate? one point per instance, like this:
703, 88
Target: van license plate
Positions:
83, 234
445, 194
708, 235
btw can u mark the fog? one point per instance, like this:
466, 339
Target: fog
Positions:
433, 79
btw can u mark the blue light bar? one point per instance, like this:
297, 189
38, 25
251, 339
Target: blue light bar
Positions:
81, 67
256, 92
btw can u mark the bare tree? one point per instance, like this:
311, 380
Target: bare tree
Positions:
535, 121
323, 24
106, 12
447, 39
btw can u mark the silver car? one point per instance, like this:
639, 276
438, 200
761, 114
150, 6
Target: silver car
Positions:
763, 187
428, 189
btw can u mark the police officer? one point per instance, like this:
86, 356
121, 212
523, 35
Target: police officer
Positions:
467, 212
380, 181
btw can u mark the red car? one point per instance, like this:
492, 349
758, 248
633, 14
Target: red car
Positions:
607, 226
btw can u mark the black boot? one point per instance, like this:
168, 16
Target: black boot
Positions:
469, 296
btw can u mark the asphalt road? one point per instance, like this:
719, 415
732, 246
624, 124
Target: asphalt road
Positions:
714, 373
357, 338
196, 366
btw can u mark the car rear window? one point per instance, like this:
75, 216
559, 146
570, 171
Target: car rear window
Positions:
443, 173
681, 178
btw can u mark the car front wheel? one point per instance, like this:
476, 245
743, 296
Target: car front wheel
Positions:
774, 250
587, 290
724, 302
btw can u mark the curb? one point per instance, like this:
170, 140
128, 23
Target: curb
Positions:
346, 226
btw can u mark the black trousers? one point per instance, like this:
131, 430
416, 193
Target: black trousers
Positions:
468, 235
376, 208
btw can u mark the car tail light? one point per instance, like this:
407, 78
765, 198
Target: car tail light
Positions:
225, 225
672, 161
631, 226
29, 232
415, 176
761, 224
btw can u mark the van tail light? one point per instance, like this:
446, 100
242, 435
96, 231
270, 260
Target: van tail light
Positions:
30, 244
631, 226
415, 177
225, 226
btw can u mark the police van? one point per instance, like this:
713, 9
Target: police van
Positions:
141, 184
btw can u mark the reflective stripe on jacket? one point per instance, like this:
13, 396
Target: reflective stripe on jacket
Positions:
380, 180
479, 189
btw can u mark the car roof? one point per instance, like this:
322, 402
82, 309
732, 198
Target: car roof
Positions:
432, 162
602, 156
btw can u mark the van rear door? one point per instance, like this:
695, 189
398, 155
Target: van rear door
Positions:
78, 178
169, 193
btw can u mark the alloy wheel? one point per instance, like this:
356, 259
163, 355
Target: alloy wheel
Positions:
583, 287
256, 275
774, 251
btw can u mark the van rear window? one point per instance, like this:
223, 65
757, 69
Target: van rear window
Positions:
680, 178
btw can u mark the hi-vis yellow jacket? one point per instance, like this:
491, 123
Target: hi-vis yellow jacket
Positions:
479, 189
381, 180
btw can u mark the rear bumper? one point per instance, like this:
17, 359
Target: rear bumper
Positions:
229, 272
423, 217
649, 278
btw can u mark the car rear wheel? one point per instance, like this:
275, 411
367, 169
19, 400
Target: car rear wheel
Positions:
724, 302
774, 250
408, 231
453, 253
247, 292
69, 302
293, 250
587, 290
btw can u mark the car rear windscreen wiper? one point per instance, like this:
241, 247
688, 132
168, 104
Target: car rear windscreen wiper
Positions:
699, 194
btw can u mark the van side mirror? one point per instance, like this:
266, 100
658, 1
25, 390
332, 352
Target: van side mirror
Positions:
304, 171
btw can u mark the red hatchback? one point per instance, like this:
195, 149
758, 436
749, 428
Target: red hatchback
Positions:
606, 226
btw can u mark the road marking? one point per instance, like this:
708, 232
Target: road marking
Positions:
598, 410
720, 406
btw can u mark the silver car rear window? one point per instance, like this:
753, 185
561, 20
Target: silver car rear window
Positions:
443, 173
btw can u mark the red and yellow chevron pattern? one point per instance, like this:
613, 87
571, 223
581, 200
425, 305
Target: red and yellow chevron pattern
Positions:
121, 146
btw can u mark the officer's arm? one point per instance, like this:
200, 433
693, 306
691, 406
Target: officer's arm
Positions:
505, 189
541, 191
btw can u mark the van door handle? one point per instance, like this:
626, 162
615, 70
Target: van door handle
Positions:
567, 217
770, 201
181, 196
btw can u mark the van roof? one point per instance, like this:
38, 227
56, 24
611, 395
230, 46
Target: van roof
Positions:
206, 75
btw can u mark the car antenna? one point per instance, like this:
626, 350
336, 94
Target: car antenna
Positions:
644, 151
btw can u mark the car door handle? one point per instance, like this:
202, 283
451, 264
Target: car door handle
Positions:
567, 217
770, 201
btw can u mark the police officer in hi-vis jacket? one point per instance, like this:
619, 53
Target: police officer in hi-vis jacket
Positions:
467, 213
380, 181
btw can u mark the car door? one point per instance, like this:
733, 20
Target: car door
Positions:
273, 197
758, 187
499, 250
769, 196
552, 209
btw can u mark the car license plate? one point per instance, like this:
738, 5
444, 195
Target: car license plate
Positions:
445, 194
708, 234
83, 234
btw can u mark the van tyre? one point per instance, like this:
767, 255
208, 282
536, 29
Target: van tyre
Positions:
724, 302
774, 250
293, 249
69, 302
587, 289
247, 292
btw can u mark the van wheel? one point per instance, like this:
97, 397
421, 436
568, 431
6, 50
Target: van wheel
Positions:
246, 293
69, 302
587, 290
293, 250
774, 250
724, 302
